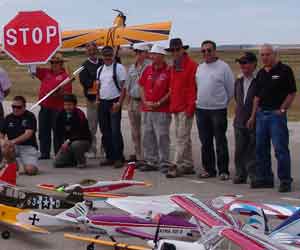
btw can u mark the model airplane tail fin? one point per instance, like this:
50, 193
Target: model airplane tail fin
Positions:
290, 226
78, 212
259, 221
129, 171
9, 173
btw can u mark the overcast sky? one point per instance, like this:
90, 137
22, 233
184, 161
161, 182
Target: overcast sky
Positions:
225, 21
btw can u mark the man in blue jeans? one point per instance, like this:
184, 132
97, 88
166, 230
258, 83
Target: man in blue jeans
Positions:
275, 92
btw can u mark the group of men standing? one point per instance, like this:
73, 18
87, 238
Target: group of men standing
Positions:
156, 92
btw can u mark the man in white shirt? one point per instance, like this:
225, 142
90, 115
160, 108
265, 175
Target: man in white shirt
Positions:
111, 93
215, 88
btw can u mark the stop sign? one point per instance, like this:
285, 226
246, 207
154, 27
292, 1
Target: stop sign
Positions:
31, 37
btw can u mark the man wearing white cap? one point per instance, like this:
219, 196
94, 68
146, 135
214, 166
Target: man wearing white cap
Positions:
155, 92
134, 106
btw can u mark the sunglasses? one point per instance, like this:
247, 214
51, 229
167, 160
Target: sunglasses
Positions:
55, 62
208, 51
16, 106
175, 49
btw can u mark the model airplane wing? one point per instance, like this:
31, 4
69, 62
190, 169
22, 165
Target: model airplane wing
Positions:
116, 36
115, 245
52, 187
145, 207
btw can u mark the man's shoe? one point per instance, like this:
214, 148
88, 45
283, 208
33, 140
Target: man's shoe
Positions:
261, 184
164, 169
284, 187
118, 164
107, 162
239, 180
132, 158
81, 166
173, 172
91, 155
224, 177
148, 168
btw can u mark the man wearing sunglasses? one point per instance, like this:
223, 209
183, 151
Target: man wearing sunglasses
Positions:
134, 98
50, 107
244, 126
20, 127
215, 88
182, 105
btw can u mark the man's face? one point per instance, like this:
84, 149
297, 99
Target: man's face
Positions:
247, 68
108, 59
91, 51
69, 106
208, 52
268, 56
157, 58
18, 108
141, 55
177, 52
56, 66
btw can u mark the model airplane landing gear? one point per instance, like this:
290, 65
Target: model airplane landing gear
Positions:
90, 246
5, 235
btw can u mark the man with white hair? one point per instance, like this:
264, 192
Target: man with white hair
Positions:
134, 98
275, 92
155, 92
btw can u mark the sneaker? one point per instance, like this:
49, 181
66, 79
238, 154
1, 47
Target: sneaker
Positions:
261, 184
206, 175
173, 172
148, 168
187, 170
118, 164
164, 169
91, 155
106, 162
285, 187
224, 177
239, 180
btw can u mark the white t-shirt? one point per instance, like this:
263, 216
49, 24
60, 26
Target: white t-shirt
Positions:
108, 89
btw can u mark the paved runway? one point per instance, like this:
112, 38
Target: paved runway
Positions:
203, 189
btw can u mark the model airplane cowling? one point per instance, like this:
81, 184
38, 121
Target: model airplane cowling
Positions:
97, 187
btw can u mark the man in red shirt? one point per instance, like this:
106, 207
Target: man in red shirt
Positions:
182, 105
50, 78
154, 83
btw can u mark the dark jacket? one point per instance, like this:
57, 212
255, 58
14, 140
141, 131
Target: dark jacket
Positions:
243, 110
88, 76
73, 127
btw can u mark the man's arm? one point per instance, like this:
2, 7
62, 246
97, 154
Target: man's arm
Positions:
229, 83
288, 101
251, 122
25, 136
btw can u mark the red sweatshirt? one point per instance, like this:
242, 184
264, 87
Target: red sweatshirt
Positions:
183, 87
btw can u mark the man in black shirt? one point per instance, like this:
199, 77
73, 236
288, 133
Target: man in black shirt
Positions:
72, 129
87, 79
20, 127
275, 92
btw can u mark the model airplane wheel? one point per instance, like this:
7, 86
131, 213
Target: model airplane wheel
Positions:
90, 247
5, 235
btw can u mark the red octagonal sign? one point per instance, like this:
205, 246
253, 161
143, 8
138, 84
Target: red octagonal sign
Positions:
31, 37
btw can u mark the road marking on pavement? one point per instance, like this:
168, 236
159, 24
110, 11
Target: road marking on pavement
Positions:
197, 182
290, 199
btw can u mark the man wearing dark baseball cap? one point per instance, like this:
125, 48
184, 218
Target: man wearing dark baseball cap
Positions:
244, 125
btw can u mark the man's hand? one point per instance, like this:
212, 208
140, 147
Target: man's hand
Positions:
251, 123
116, 107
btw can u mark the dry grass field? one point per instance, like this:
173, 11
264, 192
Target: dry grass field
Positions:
23, 84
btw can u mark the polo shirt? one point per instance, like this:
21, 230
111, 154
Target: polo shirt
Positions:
49, 80
108, 88
156, 84
14, 126
274, 86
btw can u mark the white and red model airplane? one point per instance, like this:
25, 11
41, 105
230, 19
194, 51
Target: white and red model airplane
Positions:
90, 187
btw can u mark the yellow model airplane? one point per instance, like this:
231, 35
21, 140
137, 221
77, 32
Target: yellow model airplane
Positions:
117, 35
8, 217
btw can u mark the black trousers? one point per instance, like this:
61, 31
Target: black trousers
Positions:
110, 127
47, 119
244, 156
212, 124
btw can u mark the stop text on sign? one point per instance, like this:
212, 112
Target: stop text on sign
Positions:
25, 35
